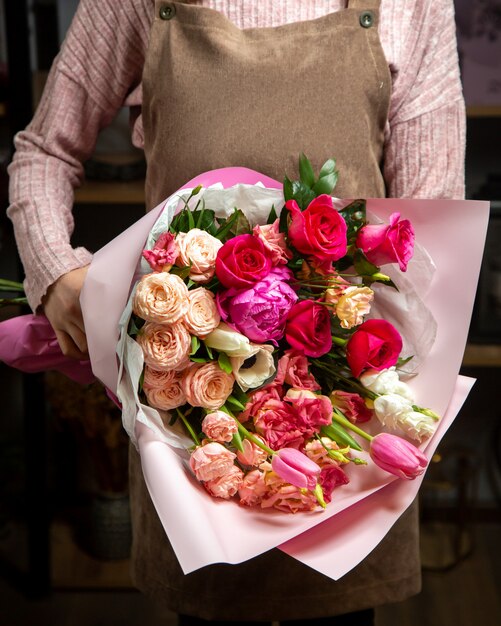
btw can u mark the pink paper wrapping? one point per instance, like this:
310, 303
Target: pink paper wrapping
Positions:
363, 511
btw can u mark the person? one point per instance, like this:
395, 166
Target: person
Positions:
212, 83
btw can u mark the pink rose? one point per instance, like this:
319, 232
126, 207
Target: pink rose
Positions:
252, 488
260, 311
206, 385
242, 261
252, 455
227, 485
274, 242
198, 250
313, 411
308, 328
161, 297
165, 346
375, 344
388, 243
219, 426
167, 395
164, 253
211, 461
351, 405
293, 370
319, 231
202, 316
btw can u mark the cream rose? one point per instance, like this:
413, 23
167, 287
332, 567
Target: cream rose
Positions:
163, 389
161, 297
206, 385
198, 250
202, 316
353, 305
165, 346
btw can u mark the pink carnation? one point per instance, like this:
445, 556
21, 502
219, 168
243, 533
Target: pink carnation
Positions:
227, 485
332, 476
293, 370
211, 461
313, 411
164, 253
219, 426
252, 489
251, 455
351, 405
286, 497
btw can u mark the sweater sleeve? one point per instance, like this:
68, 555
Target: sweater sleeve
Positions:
425, 139
99, 64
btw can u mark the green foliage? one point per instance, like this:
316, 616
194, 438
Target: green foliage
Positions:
308, 187
340, 435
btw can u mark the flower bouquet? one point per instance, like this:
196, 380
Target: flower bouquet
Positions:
290, 361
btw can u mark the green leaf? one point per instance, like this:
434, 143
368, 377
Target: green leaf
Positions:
306, 173
362, 265
237, 441
272, 216
329, 167
10, 285
288, 193
199, 359
235, 403
195, 344
338, 434
209, 352
191, 220
325, 184
224, 363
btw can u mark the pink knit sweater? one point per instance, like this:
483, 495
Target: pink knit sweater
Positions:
99, 70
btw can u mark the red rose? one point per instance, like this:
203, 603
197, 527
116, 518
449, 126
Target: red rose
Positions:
388, 243
376, 344
242, 262
319, 231
308, 328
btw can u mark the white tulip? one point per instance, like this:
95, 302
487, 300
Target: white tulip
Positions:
225, 339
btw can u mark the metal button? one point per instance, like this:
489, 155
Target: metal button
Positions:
366, 19
167, 11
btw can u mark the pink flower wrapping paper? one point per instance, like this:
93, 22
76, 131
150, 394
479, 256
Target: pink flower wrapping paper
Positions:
203, 530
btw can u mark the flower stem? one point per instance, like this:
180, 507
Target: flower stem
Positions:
188, 427
340, 419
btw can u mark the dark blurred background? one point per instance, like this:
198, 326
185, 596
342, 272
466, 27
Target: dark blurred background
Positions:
64, 517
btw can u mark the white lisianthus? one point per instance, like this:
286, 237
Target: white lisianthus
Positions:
262, 368
386, 381
395, 412
229, 341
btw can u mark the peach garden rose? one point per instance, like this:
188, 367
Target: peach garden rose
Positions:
165, 346
202, 316
206, 385
198, 250
161, 297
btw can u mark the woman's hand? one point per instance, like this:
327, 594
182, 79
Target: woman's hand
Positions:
61, 306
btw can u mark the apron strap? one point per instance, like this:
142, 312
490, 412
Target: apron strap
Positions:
363, 4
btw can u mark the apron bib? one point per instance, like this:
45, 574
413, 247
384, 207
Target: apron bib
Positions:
215, 96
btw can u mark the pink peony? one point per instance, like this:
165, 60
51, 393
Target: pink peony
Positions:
206, 385
242, 261
164, 253
219, 426
211, 461
274, 242
388, 243
293, 370
308, 328
227, 485
351, 405
319, 231
397, 456
375, 344
259, 312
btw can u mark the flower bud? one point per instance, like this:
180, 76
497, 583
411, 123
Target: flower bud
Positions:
295, 468
397, 456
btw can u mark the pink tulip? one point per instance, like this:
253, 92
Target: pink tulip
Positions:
295, 468
397, 456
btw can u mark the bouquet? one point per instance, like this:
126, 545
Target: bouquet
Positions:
256, 338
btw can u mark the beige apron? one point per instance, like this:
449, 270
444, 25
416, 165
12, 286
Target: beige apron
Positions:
214, 96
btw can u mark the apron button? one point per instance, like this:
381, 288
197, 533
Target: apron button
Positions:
167, 11
366, 19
